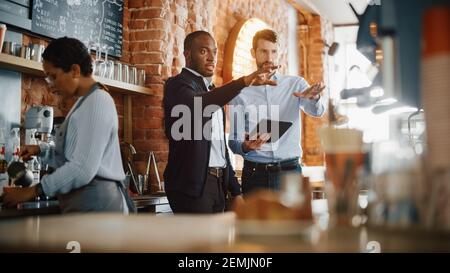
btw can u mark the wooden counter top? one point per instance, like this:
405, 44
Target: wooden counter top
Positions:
205, 233
115, 232
30, 209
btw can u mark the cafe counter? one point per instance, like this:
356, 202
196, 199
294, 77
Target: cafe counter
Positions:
144, 204
204, 233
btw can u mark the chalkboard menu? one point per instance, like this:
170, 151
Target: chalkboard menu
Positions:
15, 13
98, 21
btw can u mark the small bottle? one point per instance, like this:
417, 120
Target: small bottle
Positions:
3, 162
15, 137
36, 169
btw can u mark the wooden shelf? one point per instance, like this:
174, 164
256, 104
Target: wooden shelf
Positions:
33, 68
14, 63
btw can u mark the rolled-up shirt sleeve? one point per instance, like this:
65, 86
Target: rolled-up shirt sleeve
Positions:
314, 108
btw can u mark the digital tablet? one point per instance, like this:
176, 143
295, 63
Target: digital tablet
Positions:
269, 126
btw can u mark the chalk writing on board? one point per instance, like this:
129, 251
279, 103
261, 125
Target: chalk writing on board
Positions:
97, 21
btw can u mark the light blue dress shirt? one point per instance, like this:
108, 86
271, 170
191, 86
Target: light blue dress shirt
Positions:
256, 103
91, 148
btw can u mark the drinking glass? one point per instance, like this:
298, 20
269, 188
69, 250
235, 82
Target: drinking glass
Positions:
141, 77
109, 64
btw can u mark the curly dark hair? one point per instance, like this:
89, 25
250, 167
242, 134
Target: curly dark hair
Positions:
65, 52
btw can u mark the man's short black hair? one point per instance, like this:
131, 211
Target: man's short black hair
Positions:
65, 52
189, 40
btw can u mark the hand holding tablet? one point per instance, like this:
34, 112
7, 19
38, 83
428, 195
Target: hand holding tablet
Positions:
274, 128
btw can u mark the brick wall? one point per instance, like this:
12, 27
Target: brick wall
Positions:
151, 46
156, 33
157, 29
311, 46
228, 13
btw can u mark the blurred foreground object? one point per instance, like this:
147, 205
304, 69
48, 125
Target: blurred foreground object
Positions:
344, 156
436, 103
292, 203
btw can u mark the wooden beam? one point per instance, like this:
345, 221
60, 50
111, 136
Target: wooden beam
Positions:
128, 119
346, 25
22, 65
304, 6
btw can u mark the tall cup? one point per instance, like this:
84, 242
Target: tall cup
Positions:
36, 52
133, 75
25, 52
2, 35
125, 73
344, 156
118, 71
141, 77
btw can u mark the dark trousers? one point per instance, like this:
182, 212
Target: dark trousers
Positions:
255, 179
212, 199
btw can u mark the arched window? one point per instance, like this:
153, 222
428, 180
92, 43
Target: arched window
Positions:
238, 60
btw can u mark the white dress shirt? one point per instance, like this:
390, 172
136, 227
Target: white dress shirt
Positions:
217, 153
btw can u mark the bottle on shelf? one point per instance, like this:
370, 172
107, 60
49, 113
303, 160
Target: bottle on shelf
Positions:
15, 138
3, 162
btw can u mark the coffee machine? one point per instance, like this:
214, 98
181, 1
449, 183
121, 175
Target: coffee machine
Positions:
38, 128
38, 124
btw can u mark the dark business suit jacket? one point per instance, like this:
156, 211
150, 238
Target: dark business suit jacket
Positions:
188, 160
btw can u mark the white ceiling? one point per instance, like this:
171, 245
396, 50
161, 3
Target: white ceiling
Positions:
337, 11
